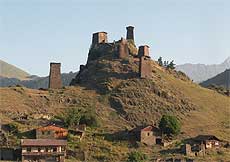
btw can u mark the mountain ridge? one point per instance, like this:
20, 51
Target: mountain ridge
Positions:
202, 72
222, 80
10, 71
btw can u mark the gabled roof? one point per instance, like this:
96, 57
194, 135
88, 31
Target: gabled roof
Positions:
148, 128
145, 128
43, 142
51, 127
206, 137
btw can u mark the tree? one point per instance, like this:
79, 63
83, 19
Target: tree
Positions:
136, 156
89, 119
171, 65
71, 117
170, 125
160, 61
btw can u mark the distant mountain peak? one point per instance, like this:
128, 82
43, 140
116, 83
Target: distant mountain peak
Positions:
202, 72
227, 61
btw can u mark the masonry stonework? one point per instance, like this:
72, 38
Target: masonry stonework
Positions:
130, 33
55, 76
145, 67
99, 37
123, 50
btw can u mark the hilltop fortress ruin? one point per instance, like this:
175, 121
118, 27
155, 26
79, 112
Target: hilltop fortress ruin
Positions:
123, 50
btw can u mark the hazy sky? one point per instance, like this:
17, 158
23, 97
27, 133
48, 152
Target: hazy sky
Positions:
36, 32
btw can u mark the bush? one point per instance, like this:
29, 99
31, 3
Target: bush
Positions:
170, 125
71, 117
13, 128
136, 156
89, 119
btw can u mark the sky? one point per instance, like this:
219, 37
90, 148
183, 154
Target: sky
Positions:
34, 33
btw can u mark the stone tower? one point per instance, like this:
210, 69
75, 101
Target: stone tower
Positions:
145, 70
143, 51
55, 76
99, 37
130, 34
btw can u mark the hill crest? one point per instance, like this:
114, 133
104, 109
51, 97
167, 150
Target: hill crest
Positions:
10, 71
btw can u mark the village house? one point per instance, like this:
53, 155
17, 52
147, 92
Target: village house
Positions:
43, 150
149, 135
210, 141
51, 132
195, 150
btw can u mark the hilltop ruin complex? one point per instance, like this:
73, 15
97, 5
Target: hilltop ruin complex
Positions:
123, 50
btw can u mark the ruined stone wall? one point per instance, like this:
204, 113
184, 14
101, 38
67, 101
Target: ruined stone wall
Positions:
145, 70
55, 76
148, 138
123, 51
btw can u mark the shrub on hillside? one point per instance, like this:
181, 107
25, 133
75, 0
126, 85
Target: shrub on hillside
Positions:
89, 119
170, 125
136, 156
70, 117
13, 128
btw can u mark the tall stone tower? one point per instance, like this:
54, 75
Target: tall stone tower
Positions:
145, 70
130, 34
143, 51
55, 75
99, 37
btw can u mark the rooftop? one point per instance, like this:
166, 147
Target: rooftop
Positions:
206, 137
43, 142
51, 127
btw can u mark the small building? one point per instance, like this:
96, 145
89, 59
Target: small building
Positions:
51, 132
43, 150
149, 135
210, 141
195, 150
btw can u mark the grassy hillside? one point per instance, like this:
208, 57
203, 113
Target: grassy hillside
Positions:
111, 89
128, 103
10, 71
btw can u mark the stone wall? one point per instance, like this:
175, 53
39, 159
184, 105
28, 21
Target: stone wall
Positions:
55, 76
148, 138
123, 51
